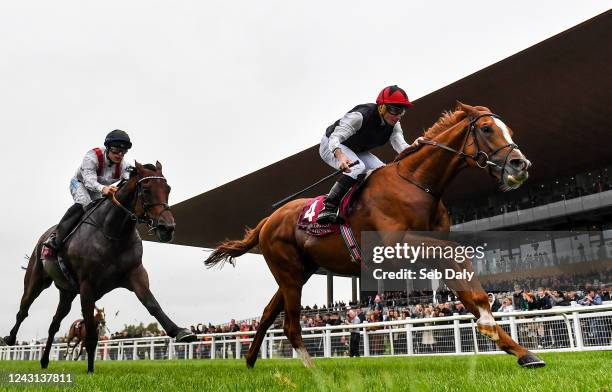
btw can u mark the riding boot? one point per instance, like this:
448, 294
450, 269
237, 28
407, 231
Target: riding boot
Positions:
65, 226
329, 215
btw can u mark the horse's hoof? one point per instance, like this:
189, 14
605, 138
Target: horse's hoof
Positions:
44, 364
530, 360
306, 358
6, 341
186, 336
3, 341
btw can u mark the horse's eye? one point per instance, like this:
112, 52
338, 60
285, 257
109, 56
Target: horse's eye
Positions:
169, 188
486, 129
146, 191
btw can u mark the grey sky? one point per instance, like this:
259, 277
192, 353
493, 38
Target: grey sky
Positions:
214, 90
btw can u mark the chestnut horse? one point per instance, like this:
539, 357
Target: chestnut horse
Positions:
104, 253
77, 333
402, 196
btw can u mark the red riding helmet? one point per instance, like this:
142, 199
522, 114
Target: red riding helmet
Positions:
393, 95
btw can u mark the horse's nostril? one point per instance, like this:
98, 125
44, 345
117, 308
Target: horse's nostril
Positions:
519, 163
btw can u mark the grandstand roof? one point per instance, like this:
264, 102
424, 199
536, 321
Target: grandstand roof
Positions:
555, 95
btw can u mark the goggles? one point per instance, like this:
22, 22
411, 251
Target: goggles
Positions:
395, 110
118, 150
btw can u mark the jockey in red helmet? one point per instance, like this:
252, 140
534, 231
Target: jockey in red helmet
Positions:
351, 138
100, 168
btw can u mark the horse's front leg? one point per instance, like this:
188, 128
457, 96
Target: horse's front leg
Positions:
138, 282
87, 307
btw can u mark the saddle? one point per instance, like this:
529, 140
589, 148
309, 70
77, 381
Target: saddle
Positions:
310, 213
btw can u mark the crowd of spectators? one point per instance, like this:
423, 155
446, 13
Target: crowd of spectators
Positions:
532, 195
562, 290
232, 326
564, 282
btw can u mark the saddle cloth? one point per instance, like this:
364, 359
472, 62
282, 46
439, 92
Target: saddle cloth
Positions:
310, 213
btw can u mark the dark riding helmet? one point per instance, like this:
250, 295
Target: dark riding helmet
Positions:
118, 138
393, 95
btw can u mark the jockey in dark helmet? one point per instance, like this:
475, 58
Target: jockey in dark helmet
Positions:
349, 139
101, 167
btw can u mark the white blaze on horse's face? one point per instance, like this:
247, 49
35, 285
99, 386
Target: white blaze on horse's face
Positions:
504, 130
513, 179
506, 134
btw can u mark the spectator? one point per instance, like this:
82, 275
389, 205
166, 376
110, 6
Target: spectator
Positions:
351, 318
592, 298
459, 308
529, 301
544, 300
605, 294
493, 302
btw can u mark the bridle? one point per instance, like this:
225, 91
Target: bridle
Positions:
145, 218
481, 158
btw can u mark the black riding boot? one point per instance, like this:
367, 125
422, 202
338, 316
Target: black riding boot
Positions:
65, 226
334, 197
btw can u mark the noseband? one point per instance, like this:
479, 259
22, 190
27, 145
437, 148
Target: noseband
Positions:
145, 218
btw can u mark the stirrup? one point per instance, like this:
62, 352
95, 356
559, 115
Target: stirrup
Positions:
51, 242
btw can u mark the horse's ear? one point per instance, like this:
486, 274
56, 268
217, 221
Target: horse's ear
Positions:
470, 111
131, 170
158, 165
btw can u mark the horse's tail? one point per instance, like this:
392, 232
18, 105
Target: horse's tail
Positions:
228, 250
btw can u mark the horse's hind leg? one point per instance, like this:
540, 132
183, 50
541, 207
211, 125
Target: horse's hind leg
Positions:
34, 282
65, 303
269, 315
293, 296
80, 344
291, 273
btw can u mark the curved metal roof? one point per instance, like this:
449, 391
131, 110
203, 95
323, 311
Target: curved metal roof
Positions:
556, 96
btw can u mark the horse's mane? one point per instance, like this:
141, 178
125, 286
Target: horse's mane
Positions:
447, 120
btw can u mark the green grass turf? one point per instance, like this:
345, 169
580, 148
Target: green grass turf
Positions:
585, 371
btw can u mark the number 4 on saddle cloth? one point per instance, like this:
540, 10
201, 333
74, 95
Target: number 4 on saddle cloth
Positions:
310, 213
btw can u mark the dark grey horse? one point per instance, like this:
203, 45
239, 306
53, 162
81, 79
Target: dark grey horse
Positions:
102, 254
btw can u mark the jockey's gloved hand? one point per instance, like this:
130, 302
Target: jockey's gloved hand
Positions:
109, 190
343, 160
417, 141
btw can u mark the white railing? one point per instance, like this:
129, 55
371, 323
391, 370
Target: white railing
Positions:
558, 329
